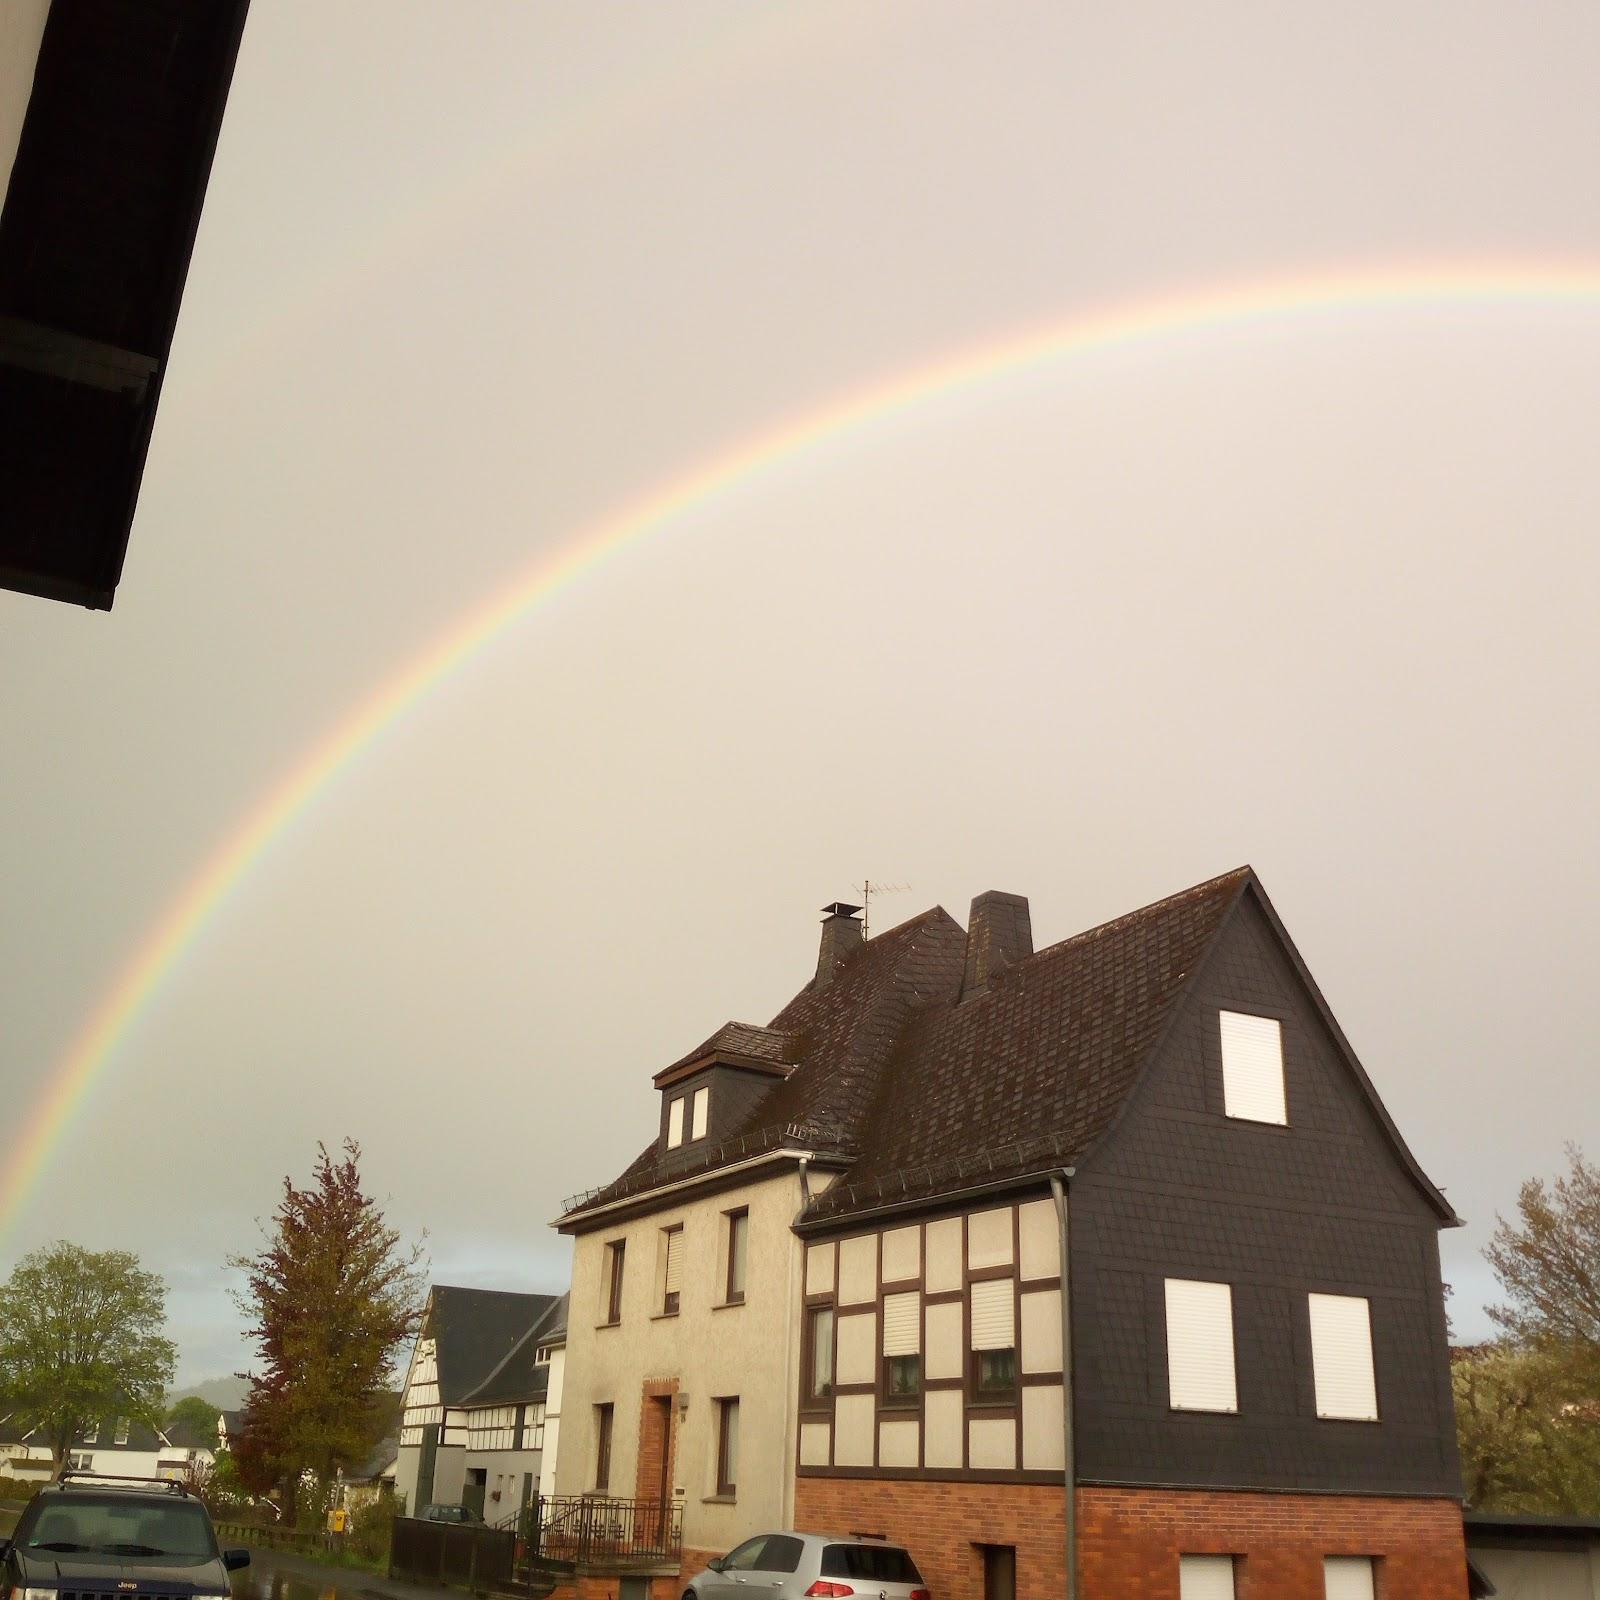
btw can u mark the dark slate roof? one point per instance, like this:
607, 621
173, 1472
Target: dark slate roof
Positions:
741, 1040
188, 1437
472, 1330
842, 1032
519, 1376
920, 1090
1031, 1071
378, 1463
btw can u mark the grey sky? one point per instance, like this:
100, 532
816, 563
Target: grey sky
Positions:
1316, 593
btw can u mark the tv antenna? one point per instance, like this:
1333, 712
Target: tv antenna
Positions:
866, 889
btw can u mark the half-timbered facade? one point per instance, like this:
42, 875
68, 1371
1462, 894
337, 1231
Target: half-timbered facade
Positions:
1112, 1258
472, 1428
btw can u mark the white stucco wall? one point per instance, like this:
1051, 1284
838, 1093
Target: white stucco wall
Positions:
749, 1351
1541, 1574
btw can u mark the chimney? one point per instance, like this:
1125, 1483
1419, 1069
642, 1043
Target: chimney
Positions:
841, 936
999, 931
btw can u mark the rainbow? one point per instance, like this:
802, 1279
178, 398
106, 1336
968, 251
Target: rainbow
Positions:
70, 1081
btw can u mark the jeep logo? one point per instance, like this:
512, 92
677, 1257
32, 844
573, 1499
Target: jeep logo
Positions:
126, 1585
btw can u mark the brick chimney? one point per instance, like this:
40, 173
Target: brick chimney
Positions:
999, 931
841, 936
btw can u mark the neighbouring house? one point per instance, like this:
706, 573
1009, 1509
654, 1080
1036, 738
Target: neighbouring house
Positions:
472, 1427
118, 1445
373, 1478
1517, 1557
830, 1295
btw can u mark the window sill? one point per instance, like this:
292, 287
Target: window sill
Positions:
665, 1316
719, 1500
728, 1305
615, 1323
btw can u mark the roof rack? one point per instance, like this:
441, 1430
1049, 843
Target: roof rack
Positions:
92, 1480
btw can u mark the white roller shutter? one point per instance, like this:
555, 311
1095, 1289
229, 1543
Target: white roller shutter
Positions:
994, 1315
1252, 1068
902, 1324
702, 1113
674, 1272
1348, 1578
1200, 1373
1341, 1357
675, 1124
1205, 1577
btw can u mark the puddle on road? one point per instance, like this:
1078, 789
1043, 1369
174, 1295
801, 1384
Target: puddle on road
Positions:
262, 1581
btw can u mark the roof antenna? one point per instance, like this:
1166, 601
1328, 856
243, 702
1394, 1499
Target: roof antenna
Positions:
866, 889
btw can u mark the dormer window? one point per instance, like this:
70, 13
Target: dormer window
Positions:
675, 1123
700, 1116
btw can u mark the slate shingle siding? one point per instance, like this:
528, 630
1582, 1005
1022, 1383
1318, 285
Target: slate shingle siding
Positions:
1324, 1204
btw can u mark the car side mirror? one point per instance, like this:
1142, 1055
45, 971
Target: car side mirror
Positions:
234, 1559
715, 1564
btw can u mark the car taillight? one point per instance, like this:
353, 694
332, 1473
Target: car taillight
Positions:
823, 1587
922, 1594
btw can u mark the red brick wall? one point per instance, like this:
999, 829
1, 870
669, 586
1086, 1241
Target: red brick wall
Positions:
1129, 1540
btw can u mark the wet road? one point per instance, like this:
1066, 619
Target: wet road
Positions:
278, 1575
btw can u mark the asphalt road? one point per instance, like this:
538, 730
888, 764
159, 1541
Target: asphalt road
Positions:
279, 1575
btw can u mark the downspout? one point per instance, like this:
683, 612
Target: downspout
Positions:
797, 1303
1069, 1469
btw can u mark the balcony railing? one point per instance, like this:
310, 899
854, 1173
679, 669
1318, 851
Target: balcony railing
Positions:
599, 1531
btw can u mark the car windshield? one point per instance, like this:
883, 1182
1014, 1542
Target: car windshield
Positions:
109, 1525
886, 1563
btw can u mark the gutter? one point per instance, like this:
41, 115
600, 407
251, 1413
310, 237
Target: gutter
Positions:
647, 1197
1069, 1466
928, 1202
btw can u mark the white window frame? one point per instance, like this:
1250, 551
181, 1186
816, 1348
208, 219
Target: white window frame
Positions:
1202, 1369
700, 1112
1349, 1578
675, 1123
1206, 1577
1253, 1088
1344, 1368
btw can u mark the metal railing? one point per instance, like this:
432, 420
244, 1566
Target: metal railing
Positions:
600, 1531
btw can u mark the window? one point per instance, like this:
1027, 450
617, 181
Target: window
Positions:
994, 1340
91, 1434
738, 1238
902, 1349
999, 1571
782, 1554
1348, 1578
1205, 1578
1252, 1068
602, 1448
671, 1269
1341, 1357
121, 1436
700, 1118
80, 1461
728, 1447
674, 1124
615, 1252
1200, 1372
535, 1426
819, 1369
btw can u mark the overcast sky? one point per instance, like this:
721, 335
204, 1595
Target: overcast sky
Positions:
1317, 593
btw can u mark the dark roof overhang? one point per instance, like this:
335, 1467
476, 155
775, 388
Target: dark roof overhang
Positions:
96, 234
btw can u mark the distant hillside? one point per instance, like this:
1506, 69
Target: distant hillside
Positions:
227, 1394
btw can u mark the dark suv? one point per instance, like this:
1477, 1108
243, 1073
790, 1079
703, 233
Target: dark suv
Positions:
98, 1538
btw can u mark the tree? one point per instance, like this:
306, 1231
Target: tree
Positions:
1549, 1264
197, 1416
1529, 1432
81, 1339
332, 1298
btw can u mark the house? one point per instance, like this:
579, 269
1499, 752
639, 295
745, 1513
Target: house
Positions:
472, 1426
1239, 1385
1524, 1557
121, 1446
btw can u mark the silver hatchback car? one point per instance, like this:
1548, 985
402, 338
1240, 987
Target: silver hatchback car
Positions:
790, 1566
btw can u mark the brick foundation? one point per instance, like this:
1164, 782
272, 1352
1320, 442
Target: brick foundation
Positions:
1129, 1540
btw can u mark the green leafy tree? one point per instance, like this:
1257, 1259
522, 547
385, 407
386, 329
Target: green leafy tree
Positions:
196, 1416
1548, 1263
332, 1299
1529, 1431
81, 1338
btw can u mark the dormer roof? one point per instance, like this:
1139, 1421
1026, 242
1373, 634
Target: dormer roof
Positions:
736, 1044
